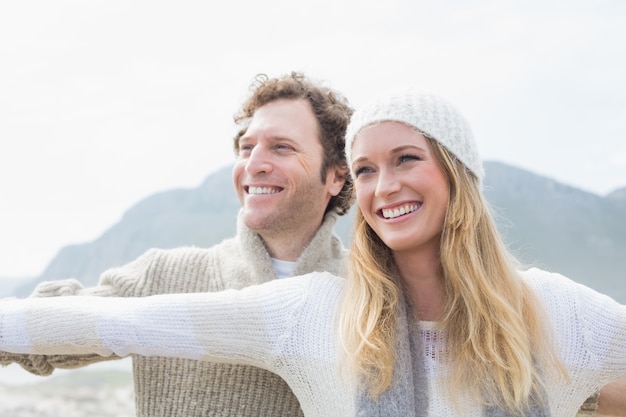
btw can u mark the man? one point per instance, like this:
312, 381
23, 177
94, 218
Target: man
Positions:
292, 180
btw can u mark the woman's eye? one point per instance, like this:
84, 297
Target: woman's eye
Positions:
406, 158
361, 170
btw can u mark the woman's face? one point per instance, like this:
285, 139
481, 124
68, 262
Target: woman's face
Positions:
400, 187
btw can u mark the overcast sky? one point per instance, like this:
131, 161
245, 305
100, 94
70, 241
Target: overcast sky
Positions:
103, 103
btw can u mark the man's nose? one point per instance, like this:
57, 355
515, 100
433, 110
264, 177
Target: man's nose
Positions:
259, 161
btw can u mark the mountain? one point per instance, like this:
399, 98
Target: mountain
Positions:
545, 223
561, 228
200, 216
619, 196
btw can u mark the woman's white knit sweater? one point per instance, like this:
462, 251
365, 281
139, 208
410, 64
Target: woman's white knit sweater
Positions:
289, 328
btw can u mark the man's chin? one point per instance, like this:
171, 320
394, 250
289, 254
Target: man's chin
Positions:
258, 221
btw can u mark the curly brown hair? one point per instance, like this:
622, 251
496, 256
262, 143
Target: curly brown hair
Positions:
331, 110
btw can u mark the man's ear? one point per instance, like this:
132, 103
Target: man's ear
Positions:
336, 178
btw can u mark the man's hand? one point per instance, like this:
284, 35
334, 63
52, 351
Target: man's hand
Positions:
612, 401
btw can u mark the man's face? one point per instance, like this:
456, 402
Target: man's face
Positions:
277, 172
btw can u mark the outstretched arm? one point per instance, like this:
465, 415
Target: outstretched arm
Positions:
123, 281
244, 326
44, 365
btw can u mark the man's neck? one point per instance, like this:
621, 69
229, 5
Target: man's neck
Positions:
287, 246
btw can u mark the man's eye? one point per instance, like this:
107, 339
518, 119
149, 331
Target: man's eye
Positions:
245, 149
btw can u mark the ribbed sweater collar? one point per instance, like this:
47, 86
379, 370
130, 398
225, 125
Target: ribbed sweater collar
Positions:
324, 252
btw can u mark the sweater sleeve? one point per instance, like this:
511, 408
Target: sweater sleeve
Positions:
44, 365
246, 326
590, 326
120, 282
604, 326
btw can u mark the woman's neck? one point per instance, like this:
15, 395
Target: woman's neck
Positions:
423, 281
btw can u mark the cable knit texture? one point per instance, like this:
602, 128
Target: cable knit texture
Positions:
289, 327
167, 387
432, 115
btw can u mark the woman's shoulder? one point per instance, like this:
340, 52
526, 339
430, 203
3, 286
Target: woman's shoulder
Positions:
545, 281
318, 282
558, 293
563, 295
555, 283
311, 285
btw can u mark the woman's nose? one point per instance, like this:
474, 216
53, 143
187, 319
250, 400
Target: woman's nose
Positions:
387, 184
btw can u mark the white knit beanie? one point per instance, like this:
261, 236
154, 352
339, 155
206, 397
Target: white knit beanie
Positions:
431, 115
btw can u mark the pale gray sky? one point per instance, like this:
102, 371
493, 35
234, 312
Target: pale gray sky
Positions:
103, 103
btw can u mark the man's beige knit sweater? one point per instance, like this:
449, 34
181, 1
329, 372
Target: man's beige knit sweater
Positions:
179, 387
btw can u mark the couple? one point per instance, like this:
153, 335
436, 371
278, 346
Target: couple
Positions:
433, 315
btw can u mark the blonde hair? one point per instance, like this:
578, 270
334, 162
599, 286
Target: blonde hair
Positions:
494, 325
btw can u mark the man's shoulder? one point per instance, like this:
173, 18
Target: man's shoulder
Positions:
231, 243
174, 270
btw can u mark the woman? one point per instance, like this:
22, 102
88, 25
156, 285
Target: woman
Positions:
434, 319
425, 242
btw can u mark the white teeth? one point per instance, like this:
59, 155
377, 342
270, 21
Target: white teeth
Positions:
399, 211
262, 190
